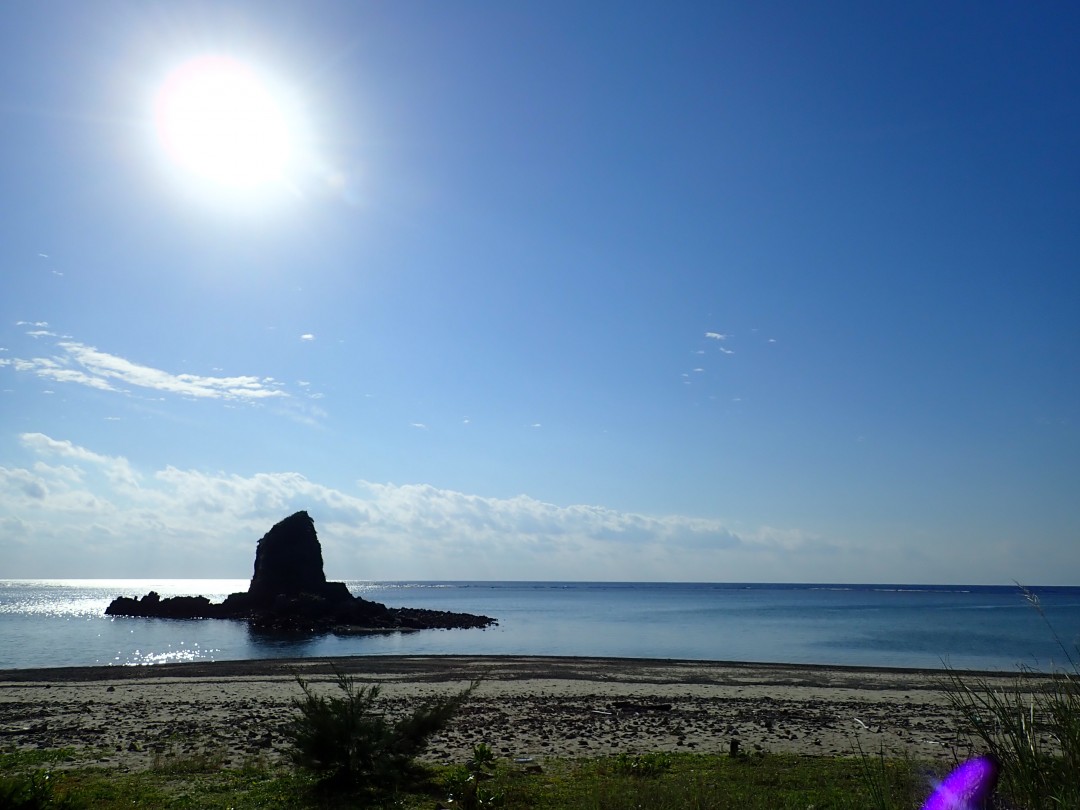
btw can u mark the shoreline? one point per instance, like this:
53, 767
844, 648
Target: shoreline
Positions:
377, 663
526, 706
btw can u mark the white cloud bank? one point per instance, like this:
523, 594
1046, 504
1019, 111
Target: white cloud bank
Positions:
76, 512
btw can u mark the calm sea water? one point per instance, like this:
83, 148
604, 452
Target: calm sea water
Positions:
50, 623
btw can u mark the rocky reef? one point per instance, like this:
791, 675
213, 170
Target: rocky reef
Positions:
289, 593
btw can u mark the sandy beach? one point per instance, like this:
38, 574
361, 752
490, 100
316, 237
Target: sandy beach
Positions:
537, 707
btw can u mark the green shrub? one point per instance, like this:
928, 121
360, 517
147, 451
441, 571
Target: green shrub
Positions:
463, 783
33, 792
349, 744
482, 759
466, 790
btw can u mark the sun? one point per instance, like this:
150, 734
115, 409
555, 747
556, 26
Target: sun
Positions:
224, 124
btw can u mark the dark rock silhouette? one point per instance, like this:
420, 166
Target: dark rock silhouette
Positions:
289, 593
288, 560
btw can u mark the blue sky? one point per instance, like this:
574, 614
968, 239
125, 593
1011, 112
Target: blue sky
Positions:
604, 291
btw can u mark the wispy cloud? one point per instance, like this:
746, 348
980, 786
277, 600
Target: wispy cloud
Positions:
308, 337
53, 369
86, 365
719, 337
35, 324
194, 523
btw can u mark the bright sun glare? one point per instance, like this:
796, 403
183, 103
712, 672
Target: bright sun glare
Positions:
222, 122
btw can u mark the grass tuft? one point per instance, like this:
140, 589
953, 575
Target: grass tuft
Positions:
178, 762
1033, 728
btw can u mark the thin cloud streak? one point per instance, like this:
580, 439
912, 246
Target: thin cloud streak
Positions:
86, 365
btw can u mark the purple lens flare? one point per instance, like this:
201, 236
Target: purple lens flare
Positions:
967, 788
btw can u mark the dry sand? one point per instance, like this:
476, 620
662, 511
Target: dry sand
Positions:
536, 707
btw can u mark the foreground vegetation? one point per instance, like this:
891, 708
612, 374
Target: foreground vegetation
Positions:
658, 781
348, 754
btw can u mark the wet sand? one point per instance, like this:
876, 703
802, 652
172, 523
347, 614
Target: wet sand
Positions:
536, 707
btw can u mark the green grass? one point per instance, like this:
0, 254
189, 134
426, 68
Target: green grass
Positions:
14, 759
697, 782
656, 781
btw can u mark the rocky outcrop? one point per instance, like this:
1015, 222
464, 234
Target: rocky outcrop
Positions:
176, 607
289, 593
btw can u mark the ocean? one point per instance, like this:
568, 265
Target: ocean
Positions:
54, 623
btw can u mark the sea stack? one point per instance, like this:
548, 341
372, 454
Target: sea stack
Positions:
289, 593
288, 562
288, 559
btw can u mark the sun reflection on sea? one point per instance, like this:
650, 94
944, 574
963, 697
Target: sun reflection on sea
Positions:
89, 597
182, 654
